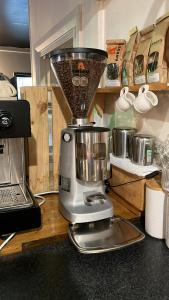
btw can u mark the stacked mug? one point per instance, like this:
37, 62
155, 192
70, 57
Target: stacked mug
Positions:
144, 101
126, 142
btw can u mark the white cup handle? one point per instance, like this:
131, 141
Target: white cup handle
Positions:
144, 88
13, 90
124, 90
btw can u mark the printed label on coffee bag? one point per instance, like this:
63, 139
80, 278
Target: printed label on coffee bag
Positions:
127, 67
154, 77
157, 67
140, 79
141, 58
115, 49
113, 82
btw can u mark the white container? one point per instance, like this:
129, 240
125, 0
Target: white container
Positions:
165, 185
154, 211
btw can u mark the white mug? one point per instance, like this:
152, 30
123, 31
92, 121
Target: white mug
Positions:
7, 89
145, 100
125, 101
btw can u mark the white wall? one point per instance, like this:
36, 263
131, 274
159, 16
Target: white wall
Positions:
14, 60
44, 15
53, 18
122, 15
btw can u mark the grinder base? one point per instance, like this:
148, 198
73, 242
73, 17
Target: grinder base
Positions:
104, 235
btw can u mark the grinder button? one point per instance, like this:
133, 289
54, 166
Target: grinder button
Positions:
5, 119
67, 137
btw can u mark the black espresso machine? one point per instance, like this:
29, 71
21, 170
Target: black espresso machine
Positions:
19, 209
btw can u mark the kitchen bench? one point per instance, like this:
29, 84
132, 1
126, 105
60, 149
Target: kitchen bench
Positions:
54, 226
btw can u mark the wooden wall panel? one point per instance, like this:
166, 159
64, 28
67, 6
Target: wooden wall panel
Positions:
42, 171
38, 149
129, 189
60, 121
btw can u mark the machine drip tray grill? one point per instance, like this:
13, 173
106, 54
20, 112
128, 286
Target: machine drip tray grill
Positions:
13, 197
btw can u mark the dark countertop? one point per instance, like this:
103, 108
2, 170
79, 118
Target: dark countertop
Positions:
58, 271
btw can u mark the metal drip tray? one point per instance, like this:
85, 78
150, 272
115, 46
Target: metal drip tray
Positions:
104, 235
13, 197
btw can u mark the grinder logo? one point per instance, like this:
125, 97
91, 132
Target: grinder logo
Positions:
81, 66
81, 80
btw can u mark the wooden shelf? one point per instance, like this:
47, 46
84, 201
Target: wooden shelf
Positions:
134, 88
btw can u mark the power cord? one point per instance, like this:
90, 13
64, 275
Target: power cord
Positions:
47, 193
6, 241
40, 196
127, 182
109, 187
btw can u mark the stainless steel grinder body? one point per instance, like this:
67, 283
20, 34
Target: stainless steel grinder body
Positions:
83, 166
92, 160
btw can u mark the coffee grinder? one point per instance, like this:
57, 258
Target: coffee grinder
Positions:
84, 158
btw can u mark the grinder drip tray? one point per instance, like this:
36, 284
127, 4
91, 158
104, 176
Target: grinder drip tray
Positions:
104, 235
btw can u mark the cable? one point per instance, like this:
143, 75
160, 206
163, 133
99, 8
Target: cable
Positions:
42, 198
126, 182
47, 193
148, 176
7, 240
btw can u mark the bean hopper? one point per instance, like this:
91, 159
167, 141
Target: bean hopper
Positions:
84, 158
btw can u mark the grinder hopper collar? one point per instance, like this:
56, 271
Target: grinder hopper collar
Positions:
78, 71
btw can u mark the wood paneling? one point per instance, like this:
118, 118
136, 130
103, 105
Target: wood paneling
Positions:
41, 178
38, 146
60, 121
128, 188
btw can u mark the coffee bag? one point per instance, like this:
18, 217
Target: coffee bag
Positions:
127, 67
115, 49
141, 58
157, 66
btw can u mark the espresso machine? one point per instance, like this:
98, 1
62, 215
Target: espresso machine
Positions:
19, 210
84, 158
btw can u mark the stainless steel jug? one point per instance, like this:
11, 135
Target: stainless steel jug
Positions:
143, 149
121, 141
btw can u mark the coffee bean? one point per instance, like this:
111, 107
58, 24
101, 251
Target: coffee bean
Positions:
79, 80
